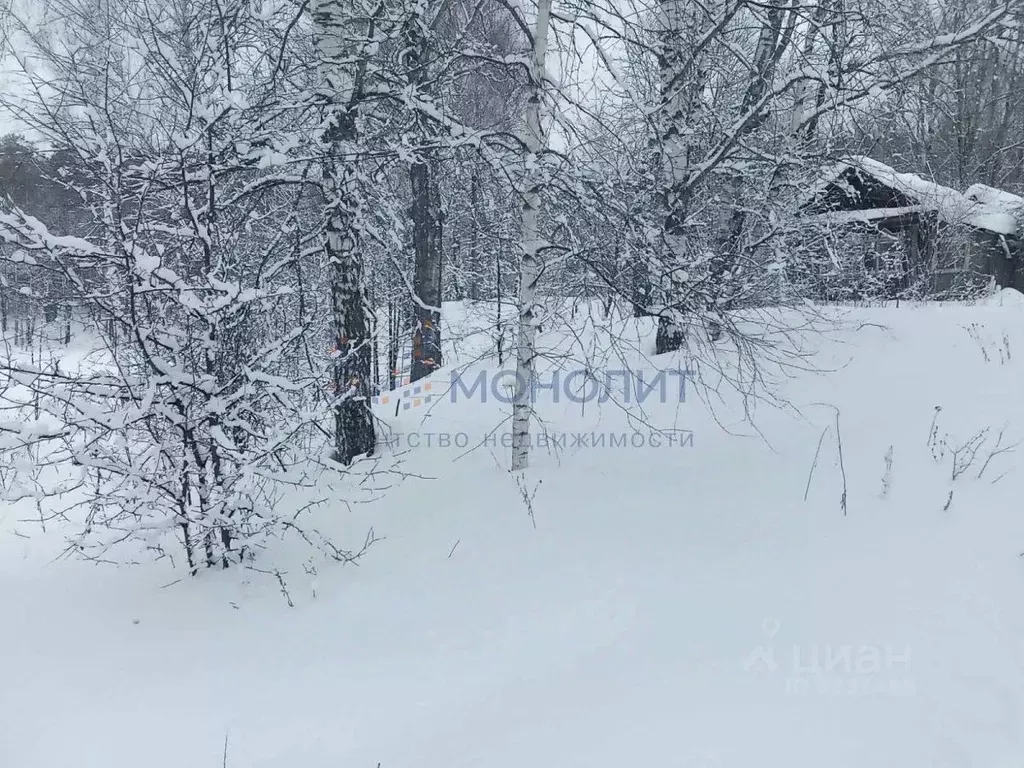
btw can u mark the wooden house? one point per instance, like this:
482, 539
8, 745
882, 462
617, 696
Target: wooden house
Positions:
943, 239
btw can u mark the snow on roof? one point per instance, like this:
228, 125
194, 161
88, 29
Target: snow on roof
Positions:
994, 221
981, 207
1003, 212
867, 215
996, 198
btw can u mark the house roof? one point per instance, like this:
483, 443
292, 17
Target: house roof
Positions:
868, 214
980, 207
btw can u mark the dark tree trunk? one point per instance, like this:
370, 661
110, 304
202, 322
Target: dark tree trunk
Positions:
225, 540
394, 337
374, 341
475, 262
670, 335
426, 215
427, 233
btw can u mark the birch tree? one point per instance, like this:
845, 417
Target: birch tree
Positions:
683, 79
344, 39
531, 265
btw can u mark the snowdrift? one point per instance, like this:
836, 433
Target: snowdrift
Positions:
837, 583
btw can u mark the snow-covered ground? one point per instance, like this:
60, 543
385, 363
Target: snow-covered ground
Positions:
690, 603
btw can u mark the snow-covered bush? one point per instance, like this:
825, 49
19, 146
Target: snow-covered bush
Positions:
202, 393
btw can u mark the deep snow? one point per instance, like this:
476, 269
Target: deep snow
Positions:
674, 605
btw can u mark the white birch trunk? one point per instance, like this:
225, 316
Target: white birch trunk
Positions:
526, 347
337, 57
803, 102
681, 84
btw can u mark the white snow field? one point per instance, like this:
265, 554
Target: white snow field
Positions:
672, 606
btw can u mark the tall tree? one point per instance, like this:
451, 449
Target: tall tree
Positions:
426, 200
344, 33
683, 80
535, 141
